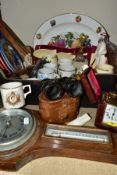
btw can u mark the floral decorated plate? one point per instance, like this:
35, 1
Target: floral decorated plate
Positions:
69, 31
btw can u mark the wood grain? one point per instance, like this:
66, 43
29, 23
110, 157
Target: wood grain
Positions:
41, 146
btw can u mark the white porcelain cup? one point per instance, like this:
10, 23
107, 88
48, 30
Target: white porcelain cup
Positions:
67, 67
63, 73
52, 66
13, 95
66, 71
66, 61
46, 73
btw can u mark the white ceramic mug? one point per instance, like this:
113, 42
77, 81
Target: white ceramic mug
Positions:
46, 73
66, 71
13, 95
67, 67
52, 66
64, 61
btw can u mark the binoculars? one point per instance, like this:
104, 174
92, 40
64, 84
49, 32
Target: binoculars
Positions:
55, 89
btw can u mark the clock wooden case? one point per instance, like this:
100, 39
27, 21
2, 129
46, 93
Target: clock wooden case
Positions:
106, 116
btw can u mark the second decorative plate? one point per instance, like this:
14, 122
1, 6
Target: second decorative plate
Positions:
10, 56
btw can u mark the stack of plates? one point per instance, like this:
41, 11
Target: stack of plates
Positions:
10, 60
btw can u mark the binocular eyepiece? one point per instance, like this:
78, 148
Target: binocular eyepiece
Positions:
55, 89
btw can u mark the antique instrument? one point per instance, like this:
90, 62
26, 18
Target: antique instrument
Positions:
25, 136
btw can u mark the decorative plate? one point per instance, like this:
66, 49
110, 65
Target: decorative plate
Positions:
10, 56
8, 64
3, 65
69, 31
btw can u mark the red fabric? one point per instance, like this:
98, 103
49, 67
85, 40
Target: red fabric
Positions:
86, 50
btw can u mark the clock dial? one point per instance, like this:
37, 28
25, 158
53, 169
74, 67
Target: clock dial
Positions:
110, 115
16, 127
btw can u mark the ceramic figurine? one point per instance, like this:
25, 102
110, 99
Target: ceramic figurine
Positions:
99, 60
